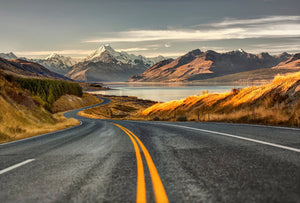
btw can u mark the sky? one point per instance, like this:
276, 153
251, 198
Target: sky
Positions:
37, 28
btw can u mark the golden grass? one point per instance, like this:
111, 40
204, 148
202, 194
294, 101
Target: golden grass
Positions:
18, 122
22, 115
277, 103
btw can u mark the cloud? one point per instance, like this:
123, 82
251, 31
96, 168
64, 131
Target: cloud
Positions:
257, 21
275, 48
268, 27
132, 49
154, 35
62, 52
165, 54
167, 45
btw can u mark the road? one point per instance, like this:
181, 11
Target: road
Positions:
128, 161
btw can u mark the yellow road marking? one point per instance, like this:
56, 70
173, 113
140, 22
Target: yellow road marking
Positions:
159, 190
141, 188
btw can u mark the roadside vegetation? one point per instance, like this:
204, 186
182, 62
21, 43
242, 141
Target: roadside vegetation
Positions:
48, 90
25, 112
277, 103
124, 108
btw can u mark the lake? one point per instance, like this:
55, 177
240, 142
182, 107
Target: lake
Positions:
161, 92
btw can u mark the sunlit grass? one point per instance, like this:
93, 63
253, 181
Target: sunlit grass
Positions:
275, 103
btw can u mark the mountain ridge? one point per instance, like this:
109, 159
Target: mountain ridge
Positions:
198, 65
106, 64
23, 68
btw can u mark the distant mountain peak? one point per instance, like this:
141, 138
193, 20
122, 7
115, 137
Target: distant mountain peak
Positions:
105, 53
54, 55
8, 56
97, 54
241, 50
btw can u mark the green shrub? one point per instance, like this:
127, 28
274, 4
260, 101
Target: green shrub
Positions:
49, 90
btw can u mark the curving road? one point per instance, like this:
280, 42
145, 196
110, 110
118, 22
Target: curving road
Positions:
128, 161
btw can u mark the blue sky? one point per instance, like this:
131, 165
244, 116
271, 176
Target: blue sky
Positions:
37, 28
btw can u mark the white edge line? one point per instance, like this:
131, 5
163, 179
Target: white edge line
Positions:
235, 124
16, 166
238, 137
256, 125
33, 137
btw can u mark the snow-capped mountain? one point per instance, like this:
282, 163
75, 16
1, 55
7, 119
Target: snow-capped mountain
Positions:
8, 56
107, 64
57, 63
106, 54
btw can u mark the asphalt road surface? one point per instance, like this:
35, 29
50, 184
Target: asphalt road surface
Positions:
129, 161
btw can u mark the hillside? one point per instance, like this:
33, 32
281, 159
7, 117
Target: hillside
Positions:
23, 68
22, 113
277, 103
198, 65
263, 75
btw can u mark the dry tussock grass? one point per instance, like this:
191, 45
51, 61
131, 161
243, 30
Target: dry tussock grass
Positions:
277, 103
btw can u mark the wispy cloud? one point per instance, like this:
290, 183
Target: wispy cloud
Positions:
257, 21
77, 52
268, 27
165, 54
133, 49
275, 48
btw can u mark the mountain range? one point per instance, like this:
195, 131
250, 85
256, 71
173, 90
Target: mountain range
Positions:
106, 64
23, 68
57, 63
198, 65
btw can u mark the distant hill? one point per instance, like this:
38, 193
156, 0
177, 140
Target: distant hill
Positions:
23, 68
106, 64
197, 65
263, 75
292, 63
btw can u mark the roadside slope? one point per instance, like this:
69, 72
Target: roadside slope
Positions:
277, 103
23, 114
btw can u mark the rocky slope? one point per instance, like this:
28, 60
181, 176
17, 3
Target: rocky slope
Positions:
197, 65
106, 64
23, 68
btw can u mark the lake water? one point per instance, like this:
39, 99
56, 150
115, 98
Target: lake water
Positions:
161, 92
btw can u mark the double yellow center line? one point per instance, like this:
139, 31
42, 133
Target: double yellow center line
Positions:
159, 190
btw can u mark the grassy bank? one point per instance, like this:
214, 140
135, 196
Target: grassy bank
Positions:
277, 103
23, 113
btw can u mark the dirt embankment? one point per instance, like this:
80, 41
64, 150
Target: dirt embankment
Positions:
69, 102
